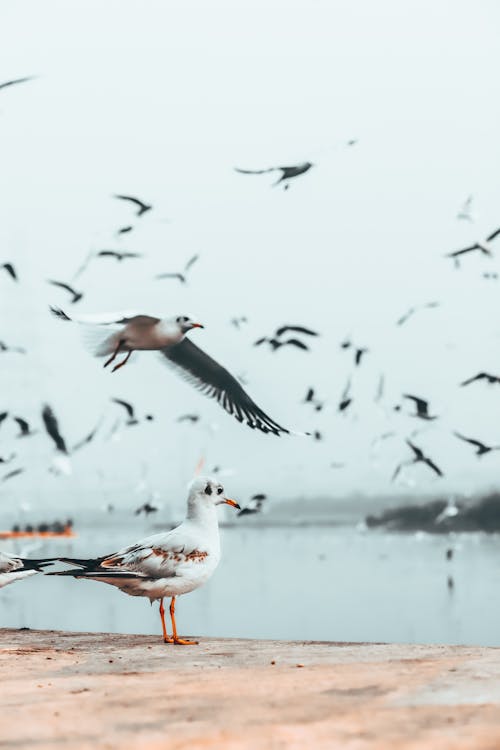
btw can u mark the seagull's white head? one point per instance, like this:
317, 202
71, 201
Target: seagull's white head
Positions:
207, 492
185, 323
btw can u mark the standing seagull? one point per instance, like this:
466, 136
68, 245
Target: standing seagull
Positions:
419, 457
142, 207
168, 564
287, 173
13, 568
144, 332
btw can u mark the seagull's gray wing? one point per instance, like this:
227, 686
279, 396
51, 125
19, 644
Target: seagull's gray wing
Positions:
211, 378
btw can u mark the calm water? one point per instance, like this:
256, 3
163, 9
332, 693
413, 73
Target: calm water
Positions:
308, 583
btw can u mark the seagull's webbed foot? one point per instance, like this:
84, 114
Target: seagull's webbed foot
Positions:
183, 642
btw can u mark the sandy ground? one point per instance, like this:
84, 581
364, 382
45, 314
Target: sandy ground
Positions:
81, 690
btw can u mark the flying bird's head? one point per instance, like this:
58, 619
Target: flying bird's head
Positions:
205, 493
185, 323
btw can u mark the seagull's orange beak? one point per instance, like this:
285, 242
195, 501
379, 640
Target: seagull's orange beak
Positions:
197, 325
228, 501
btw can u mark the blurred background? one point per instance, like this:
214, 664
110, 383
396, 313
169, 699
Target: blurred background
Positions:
395, 106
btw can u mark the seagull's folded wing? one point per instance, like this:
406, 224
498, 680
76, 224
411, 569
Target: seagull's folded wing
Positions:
208, 376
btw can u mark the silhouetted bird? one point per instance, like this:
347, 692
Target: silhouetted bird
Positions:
287, 173
236, 322
311, 399
419, 457
118, 255
132, 419
490, 379
3, 415
142, 207
277, 344
254, 506
345, 399
188, 418
317, 435
146, 508
12, 474
52, 428
76, 296
180, 276
125, 230
295, 329
87, 439
24, 427
10, 270
483, 246
481, 448
15, 81
16, 349
422, 407
359, 352
449, 553
412, 310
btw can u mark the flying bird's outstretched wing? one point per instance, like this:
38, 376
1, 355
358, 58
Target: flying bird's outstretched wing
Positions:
143, 207
128, 407
296, 329
214, 380
477, 443
493, 235
433, 466
190, 263
52, 427
15, 81
479, 376
256, 171
10, 270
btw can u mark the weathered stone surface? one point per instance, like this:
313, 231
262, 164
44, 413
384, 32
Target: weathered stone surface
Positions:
81, 690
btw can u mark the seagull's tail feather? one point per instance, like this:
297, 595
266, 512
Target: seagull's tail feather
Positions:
98, 340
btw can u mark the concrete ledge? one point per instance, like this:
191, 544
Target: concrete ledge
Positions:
88, 690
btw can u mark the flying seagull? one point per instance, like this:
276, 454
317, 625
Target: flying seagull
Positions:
145, 508
412, 310
359, 351
465, 211
125, 230
132, 419
15, 81
287, 173
170, 563
24, 427
311, 399
12, 474
490, 379
345, 399
419, 457
180, 276
193, 418
14, 568
52, 427
144, 332
254, 506
16, 349
87, 439
277, 344
117, 254
76, 296
141, 207
481, 448
421, 406
295, 329
10, 270
483, 246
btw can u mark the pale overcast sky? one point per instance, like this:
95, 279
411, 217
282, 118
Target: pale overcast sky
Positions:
162, 100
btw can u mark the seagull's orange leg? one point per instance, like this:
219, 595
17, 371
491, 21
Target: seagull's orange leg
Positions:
115, 353
123, 362
166, 638
178, 641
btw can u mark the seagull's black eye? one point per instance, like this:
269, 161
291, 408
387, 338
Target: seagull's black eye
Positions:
178, 320
208, 490
219, 490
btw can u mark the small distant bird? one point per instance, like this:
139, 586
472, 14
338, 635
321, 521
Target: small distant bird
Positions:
15, 81
465, 211
254, 506
295, 329
422, 407
142, 207
345, 399
76, 296
359, 351
52, 427
14, 568
125, 230
144, 332
12, 474
412, 310
490, 379
317, 435
237, 322
188, 418
10, 270
419, 457
277, 344
180, 276
380, 389
146, 508
117, 254
132, 419
287, 173
16, 349
483, 247
167, 564
3, 415
87, 439
311, 399
24, 427
481, 448
449, 553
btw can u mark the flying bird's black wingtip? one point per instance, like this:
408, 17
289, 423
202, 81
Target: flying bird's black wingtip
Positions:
59, 313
